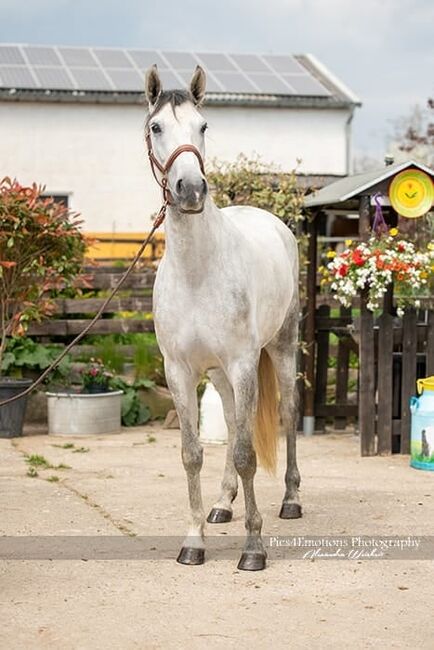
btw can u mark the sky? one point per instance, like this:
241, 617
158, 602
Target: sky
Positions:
382, 49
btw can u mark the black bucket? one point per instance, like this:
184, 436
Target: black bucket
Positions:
12, 415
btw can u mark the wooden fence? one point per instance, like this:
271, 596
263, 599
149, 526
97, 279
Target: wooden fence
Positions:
396, 352
376, 395
129, 311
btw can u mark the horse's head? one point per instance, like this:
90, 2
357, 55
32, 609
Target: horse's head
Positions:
174, 121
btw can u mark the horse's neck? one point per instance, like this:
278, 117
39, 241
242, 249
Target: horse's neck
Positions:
193, 241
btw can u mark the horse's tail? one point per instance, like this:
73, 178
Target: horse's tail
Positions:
267, 418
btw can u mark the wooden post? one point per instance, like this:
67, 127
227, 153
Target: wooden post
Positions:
309, 404
342, 371
322, 358
367, 352
430, 344
408, 381
385, 375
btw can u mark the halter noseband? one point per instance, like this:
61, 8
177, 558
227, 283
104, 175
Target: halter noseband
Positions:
165, 169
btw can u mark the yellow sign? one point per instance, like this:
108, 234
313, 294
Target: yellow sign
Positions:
411, 193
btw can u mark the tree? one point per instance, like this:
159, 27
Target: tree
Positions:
41, 252
414, 135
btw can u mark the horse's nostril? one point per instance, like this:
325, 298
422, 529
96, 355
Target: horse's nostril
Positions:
204, 186
179, 186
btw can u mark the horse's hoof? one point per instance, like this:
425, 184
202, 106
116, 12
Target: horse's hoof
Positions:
219, 516
290, 511
252, 562
190, 555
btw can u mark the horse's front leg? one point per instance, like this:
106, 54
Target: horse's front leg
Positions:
182, 384
244, 378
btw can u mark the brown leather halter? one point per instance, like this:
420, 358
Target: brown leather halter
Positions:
165, 169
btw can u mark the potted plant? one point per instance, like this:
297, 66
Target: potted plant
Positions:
96, 377
92, 409
375, 264
41, 253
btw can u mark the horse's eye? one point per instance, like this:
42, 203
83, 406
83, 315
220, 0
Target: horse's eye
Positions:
155, 128
203, 128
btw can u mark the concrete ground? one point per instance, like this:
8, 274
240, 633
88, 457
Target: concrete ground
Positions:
133, 484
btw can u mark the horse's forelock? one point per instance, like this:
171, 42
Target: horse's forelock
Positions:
173, 97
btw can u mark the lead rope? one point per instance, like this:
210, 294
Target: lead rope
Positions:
157, 223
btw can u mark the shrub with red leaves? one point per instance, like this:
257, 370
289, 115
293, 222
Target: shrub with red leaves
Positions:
41, 251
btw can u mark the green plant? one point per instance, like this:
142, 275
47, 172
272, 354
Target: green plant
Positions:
35, 460
23, 354
133, 411
41, 253
96, 377
148, 362
108, 351
252, 182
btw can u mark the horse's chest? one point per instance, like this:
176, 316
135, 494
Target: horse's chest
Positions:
198, 322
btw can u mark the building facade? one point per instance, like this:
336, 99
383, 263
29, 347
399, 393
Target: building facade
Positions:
81, 135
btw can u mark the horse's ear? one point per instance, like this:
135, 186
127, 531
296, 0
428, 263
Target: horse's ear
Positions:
197, 85
153, 85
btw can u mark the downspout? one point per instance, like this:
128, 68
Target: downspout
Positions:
348, 149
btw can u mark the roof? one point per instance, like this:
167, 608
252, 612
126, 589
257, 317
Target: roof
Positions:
350, 186
116, 74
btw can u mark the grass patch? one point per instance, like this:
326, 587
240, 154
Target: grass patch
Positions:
152, 439
32, 472
53, 479
61, 466
81, 450
67, 445
35, 460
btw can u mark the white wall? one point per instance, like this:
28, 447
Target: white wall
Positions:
96, 154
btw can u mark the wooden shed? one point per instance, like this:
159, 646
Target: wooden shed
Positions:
392, 351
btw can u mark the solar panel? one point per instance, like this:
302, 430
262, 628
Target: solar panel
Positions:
234, 82
10, 54
108, 69
127, 80
56, 78
250, 63
306, 85
169, 80
113, 58
269, 83
16, 77
145, 58
41, 55
79, 57
181, 60
284, 64
90, 79
216, 62
211, 85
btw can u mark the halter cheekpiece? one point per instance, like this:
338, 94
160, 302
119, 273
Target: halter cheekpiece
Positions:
165, 169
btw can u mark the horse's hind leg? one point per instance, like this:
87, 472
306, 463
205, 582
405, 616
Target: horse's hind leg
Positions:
244, 379
221, 511
283, 352
182, 384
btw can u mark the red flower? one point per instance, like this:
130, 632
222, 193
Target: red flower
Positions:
343, 270
357, 258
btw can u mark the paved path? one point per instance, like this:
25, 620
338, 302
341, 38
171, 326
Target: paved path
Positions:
133, 485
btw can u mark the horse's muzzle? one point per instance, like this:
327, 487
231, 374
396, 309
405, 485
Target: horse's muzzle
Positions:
190, 196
